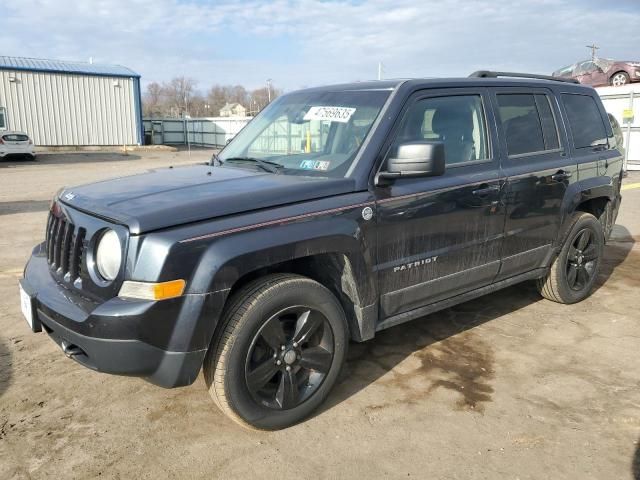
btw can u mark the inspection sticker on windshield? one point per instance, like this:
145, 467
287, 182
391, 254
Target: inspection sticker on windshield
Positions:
333, 114
315, 165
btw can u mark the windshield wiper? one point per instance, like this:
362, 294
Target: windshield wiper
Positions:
272, 167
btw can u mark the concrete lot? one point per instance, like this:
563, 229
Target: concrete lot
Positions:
506, 386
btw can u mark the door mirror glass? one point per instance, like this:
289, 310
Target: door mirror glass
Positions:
420, 158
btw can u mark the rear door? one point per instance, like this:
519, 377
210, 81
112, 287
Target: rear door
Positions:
538, 168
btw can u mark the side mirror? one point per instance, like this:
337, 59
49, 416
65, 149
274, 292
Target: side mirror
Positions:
421, 158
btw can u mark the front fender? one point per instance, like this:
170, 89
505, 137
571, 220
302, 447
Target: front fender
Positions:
228, 259
213, 256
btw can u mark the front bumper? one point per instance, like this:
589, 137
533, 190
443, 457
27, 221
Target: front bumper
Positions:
123, 337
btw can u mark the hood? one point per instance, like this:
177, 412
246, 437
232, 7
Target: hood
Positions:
174, 196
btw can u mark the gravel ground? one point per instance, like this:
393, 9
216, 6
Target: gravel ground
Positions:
506, 386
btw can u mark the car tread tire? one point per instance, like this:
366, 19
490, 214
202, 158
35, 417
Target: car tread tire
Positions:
626, 76
554, 285
238, 317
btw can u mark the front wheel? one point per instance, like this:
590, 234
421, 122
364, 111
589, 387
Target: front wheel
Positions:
279, 353
573, 273
620, 78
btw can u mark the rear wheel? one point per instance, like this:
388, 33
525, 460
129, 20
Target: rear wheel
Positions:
620, 78
282, 345
572, 274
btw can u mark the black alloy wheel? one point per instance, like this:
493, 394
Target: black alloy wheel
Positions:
289, 357
279, 350
572, 275
581, 260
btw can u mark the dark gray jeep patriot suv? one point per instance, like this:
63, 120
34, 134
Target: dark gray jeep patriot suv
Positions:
337, 212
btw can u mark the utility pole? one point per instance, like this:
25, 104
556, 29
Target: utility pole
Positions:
593, 48
379, 70
269, 89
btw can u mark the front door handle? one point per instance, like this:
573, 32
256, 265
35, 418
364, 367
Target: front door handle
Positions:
560, 176
484, 191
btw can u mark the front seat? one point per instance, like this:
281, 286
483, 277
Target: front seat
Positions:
454, 125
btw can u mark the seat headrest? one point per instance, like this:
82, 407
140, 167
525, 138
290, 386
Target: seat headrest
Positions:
448, 118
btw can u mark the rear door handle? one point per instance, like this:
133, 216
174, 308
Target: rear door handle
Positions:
560, 176
484, 191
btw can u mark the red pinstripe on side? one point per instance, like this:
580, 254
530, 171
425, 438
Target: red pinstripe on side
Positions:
274, 222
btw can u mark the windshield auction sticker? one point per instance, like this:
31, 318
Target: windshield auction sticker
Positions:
332, 114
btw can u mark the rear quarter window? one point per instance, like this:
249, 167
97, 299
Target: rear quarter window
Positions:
586, 123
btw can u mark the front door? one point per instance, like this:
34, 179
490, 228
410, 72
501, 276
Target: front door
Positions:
538, 167
441, 236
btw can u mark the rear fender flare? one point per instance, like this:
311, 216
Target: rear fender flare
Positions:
583, 190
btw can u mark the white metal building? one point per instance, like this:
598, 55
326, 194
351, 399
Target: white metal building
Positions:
624, 104
70, 103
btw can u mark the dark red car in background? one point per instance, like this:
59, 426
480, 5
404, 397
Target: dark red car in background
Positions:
602, 71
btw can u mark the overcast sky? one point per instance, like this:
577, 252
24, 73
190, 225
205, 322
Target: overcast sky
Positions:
314, 42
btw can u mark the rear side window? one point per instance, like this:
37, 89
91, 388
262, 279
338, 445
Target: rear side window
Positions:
585, 120
15, 138
528, 123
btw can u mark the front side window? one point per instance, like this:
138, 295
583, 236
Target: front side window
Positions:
309, 132
457, 121
528, 123
585, 121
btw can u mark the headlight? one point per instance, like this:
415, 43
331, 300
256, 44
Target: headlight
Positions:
55, 197
109, 255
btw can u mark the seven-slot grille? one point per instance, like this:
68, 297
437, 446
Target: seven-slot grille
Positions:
64, 246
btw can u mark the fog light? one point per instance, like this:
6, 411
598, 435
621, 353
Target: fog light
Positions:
152, 291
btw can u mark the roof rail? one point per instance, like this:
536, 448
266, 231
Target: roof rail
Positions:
490, 74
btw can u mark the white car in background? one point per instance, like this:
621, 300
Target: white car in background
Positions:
16, 144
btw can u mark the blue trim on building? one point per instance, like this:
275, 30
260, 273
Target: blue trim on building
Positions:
70, 68
137, 94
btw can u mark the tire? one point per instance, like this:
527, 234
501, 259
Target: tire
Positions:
572, 274
619, 78
251, 377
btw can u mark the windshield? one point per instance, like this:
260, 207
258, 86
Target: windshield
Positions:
308, 132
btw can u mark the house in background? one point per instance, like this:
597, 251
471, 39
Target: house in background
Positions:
233, 110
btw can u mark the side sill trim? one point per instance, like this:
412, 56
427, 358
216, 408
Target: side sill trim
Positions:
449, 302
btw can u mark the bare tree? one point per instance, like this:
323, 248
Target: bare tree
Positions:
178, 93
180, 96
216, 98
152, 100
